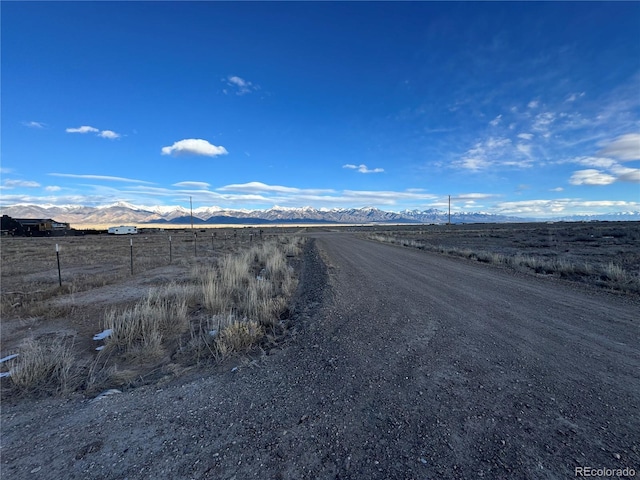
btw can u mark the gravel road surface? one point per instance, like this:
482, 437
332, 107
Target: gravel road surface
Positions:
401, 365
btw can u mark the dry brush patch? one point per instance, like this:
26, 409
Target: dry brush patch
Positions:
43, 367
230, 298
245, 296
600, 255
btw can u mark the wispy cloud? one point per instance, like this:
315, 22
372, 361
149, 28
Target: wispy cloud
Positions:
575, 96
33, 124
194, 146
591, 177
596, 162
624, 148
494, 152
362, 168
110, 134
82, 129
543, 122
606, 169
495, 121
239, 85
256, 187
106, 178
74, 199
10, 183
284, 195
563, 206
199, 185
52, 188
625, 174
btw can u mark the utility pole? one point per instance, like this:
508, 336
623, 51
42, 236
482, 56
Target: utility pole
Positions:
449, 210
191, 206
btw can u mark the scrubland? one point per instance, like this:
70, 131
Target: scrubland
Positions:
601, 254
139, 309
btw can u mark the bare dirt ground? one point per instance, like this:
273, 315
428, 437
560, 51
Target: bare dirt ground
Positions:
401, 364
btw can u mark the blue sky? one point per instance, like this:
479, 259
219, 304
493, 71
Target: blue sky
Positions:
529, 109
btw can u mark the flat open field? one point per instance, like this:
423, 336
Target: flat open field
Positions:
605, 254
96, 270
109, 273
401, 363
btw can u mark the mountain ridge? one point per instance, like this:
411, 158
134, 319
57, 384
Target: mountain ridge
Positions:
123, 212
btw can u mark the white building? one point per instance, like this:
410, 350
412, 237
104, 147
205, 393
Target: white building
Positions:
123, 230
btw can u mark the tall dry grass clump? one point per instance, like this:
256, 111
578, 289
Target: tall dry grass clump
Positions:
43, 367
245, 295
142, 330
254, 284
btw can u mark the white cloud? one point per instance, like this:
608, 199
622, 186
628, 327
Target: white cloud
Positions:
533, 104
52, 188
543, 121
574, 96
473, 196
239, 82
557, 189
194, 146
98, 177
20, 183
362, 168
283, 195
612, 170
624, 148
82, 129
263, 187
549, 208
591, 177
495, 121
596, 162
240, 85
495, 143
525, 136
110, 134
484, 154
625, 174
525, 149
200, 185
34, 124
473, 163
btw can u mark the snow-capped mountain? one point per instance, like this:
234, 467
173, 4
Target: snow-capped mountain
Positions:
125, 213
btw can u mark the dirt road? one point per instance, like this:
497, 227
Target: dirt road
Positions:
403, 365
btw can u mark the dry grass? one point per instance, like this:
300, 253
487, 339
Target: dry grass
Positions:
233, 295
253, 285
43, 367
245, 294
609, 275
142, 331
238, 336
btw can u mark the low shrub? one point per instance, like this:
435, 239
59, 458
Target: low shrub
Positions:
43, 367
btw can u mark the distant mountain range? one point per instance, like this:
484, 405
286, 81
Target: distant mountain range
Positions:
126, 213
